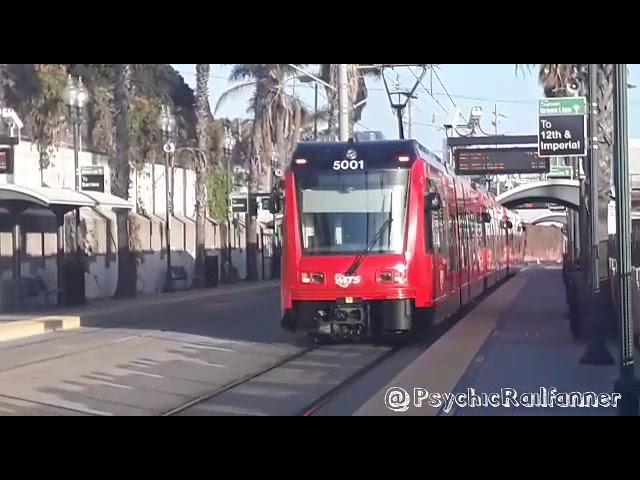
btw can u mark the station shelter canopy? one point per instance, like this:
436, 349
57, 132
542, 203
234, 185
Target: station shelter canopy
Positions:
43, 209
18, 197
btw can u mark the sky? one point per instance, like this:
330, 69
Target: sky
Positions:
462, 86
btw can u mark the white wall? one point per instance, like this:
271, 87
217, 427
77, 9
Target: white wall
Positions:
100, 241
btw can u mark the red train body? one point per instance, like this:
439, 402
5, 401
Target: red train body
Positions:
379, 236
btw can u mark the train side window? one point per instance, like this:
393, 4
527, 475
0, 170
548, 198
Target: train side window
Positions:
464, 234
434, 224
453, 245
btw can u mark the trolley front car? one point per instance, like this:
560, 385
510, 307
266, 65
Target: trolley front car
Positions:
379, 236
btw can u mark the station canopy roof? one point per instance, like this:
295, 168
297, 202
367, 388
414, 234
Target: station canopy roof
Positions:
59, 198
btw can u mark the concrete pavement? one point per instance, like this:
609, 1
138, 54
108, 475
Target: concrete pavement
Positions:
16, 326
145, 359
518, 338
151, 357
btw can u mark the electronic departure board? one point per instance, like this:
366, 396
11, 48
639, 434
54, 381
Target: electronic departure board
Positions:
499, 161
6, 160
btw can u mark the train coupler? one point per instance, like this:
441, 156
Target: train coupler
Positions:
347, 319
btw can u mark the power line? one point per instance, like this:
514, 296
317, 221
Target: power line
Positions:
435, 94
461, 97
428, 92
443, 87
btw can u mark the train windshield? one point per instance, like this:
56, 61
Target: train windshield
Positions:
343, 212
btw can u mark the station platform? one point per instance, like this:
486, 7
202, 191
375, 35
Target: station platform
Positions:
515, 343
14, 326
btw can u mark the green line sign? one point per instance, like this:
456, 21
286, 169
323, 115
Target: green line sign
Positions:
562, 106
561, 171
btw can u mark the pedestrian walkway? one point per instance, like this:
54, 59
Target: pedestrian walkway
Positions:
16, 326
518, 339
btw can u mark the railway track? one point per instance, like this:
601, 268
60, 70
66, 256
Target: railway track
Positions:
309, 408
309, 356
238, 382
378, 355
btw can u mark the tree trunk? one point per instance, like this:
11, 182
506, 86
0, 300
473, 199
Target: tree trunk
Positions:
4, 83
253, 181
224, 241
251, 229
202, 115
332, 98
120, 171
605, 158
604, 132
198, 279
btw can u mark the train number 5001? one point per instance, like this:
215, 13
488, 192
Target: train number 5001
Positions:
348, 165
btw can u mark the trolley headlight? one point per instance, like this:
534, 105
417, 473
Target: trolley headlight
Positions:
312, 278
397, 275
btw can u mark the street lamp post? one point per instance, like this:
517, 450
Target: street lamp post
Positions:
167, 124
310, 79
229, 144
76, 98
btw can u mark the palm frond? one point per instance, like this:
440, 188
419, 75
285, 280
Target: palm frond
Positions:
232, 92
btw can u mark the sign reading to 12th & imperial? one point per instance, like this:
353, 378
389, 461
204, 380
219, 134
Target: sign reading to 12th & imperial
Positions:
562, 127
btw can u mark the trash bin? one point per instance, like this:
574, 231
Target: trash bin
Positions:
74, 282
211, 271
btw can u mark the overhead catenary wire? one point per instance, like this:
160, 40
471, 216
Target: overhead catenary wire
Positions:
435, 94
428, 92
443, 86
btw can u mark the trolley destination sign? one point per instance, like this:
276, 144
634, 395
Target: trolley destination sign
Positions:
499, 161
562, 127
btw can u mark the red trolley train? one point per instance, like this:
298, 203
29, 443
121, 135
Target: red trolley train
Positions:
379, 236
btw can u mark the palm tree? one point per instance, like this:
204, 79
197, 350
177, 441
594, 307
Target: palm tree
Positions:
555, 79
203, 115
120, 177
275, 131
4, 82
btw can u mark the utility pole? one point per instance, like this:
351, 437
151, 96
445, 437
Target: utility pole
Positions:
409, 118
343, 98
627, 383
315, 116
410, 115
593, 191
